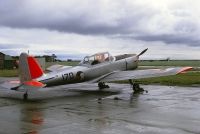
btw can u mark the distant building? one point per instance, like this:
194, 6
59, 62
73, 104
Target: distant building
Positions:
49, 58
53, 57
69, 60
6, 61
42, 62
2, 55
9, 62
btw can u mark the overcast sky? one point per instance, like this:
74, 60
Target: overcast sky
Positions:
75, 28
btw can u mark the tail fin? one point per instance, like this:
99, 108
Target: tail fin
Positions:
29, 68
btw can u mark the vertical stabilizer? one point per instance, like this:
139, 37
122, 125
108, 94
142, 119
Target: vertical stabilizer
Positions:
29, 68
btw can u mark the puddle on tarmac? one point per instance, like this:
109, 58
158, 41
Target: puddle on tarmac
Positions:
164, 109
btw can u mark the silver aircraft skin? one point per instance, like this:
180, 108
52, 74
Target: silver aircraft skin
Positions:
91, 67
98, 68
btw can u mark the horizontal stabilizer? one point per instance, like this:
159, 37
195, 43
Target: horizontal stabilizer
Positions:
34, 83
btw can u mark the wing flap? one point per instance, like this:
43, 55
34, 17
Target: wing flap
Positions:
138, 74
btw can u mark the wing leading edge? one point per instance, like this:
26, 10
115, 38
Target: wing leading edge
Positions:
138, 74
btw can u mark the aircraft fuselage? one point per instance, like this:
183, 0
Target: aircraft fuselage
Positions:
84, 72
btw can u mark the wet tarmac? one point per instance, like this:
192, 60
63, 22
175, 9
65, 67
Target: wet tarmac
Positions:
166, 110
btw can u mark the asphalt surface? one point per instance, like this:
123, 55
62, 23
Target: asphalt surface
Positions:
166, 110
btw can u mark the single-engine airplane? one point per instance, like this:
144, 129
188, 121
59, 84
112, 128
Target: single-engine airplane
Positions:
98, 68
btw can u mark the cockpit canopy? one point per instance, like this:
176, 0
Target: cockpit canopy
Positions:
97, 58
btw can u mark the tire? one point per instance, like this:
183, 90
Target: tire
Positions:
25, 96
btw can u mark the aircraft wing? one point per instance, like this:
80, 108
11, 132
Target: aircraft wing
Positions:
57, 67
138, 74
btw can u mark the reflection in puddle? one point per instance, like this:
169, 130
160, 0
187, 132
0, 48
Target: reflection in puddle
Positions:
32, 117
163, 110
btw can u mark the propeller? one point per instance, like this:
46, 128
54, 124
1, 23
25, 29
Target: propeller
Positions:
142, 52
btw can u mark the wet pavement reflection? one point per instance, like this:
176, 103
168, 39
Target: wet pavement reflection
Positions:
164, 109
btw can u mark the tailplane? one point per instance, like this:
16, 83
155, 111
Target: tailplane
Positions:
29, 68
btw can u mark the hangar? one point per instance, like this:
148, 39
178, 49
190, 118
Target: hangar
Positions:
6, 61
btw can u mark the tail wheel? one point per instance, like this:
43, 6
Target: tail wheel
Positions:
25, 96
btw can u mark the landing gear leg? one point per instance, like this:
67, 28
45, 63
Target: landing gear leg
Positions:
102, 85
136, 87
25, 96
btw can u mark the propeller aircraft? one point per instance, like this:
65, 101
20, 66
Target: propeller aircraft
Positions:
98, 68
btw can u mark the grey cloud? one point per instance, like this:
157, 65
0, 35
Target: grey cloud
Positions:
12, 49
184, 32
10, 52
165, 38
127, 20
20, 14
170, 39
77, 25
12, 46
185, 25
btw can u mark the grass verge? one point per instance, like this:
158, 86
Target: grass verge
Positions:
187, 79
9, 73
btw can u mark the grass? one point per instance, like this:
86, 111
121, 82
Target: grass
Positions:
9, 73
193, 63
187, 79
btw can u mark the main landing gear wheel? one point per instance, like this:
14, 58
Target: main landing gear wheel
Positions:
102, 85
136, 88
25, 96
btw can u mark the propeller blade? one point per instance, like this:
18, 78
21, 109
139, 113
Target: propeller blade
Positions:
142, 52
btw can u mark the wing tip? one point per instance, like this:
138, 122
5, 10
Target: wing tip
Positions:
185, 69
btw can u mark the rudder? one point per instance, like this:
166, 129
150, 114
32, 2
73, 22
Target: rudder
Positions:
29, 68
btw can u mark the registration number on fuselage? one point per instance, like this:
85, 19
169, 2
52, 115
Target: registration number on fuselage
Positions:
68, 76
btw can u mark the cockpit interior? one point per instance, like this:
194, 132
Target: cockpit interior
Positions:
97, 58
